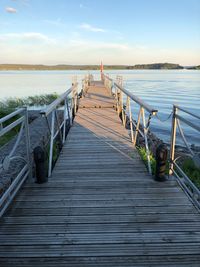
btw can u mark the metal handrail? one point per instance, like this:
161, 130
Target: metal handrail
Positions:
56, 127
46, 111
187, 111
175, 169
123, 111
11, 115
136, 99
26, 171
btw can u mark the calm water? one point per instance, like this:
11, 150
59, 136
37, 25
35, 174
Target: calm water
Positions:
159, 88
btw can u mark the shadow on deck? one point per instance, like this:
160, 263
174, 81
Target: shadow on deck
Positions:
100, 207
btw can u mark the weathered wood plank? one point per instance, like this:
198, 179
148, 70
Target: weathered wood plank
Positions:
117, 261
100, 238
96, 250
147, 218
79, 211
100, 207
63, 228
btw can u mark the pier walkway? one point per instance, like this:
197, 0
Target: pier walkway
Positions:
100, 206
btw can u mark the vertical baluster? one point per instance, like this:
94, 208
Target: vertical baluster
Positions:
69, 113
116, 101
130, 118
138, 126
146, 141
121, 104
126, 110
28, 145
51, 142
72, 106
74, 97
173, 139
64, 117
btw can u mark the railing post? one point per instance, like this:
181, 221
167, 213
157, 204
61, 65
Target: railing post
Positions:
173, 139
146, 141
120, 111
124, 112
137, 126
51, 142
117, 99
130, 118
64, 117
72, 106
28, 145
74, 100
68, 113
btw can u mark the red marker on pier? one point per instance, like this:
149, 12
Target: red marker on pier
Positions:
101, 67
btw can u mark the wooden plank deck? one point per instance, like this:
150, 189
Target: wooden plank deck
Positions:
100, 207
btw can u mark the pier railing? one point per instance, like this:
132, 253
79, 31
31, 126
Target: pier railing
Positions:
66, 104
86, 82
175, 168
18, 118
124, 110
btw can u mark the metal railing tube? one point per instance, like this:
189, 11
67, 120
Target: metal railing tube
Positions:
136, 99
176, 169
58, 127
122, 111
26, 170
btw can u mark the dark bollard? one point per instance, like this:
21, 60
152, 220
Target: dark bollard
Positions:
120, 115
67, 127
40, 159
80, 95
161, 162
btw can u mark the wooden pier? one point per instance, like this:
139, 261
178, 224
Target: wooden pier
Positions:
100, 206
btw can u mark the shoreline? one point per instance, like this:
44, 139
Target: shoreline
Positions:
38, 67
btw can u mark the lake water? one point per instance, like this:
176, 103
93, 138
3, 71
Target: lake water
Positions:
159, 88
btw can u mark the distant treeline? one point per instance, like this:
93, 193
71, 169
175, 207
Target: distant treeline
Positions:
194, 68
156, 66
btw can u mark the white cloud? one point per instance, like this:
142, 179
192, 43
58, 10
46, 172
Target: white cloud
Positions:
91, 28
56, 22
27, 36
11, 10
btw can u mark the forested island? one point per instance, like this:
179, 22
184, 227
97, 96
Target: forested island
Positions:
194, 68
155, 66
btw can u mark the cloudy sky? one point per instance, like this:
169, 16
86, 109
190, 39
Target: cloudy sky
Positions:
88, 31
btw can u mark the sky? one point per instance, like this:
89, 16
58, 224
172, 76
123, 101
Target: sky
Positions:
124, 32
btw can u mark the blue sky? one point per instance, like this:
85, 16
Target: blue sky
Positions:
88, 31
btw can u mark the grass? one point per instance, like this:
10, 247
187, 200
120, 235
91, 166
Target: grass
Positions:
191, 171
187, 166
37, 100
9, 105
143, 155
8, 136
